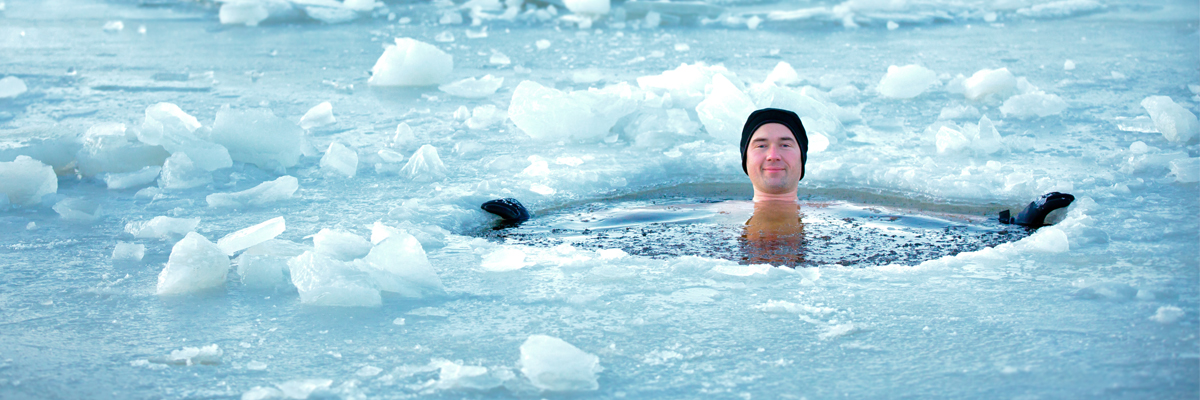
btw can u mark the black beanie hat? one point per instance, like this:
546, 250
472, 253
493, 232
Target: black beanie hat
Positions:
783, 117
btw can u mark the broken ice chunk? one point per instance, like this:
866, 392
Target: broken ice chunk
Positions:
281, 188
142, 177
324, 281
339, 160
162, 227
411, 63
473, 88
79, 210
551, 114
340, 245
484, 116
424, 165
195, 264
25, 180
1186, 170
555, 365
1177, 124
168, 126
12, 86
906, 82
399, 265
724, 110
254, 12
107, 148
319, 115
179, 172
504, 259
251, 236
114, 26
128, 251
258, 137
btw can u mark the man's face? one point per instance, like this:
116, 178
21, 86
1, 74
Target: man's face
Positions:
773, 160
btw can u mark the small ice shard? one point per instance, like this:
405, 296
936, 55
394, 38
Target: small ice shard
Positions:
304, 388
1107, 291
11, 87
424, 165
195, 264
404, 135
339, 160
360, 5
451, 17
168, 126
724, 110
254, 12
587, 75
906, 82
444, 37
1069, 65
251, 236
319, 115
25, 180
391, 162
1036, 104
988, 81
554, 365
1186, 170
162, 227
1177, 124
783, 75
114, 26
324, 281
261, 392
256, 136
340, 245
281, 188
454, 375
485, 116
542, 44
331, 15
125, 180
588, 7
892, 25
107, 148
473, 88
368, 371
681, 47
399, 265
550, 114
1167, 314
959, 112
179, 172
79, 210
411, 63
128, 251
499, 58
255, 365
209, 355
504, 259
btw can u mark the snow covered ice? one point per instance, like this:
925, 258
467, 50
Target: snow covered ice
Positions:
179, 152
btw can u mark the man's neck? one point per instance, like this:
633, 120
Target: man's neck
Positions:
759, 196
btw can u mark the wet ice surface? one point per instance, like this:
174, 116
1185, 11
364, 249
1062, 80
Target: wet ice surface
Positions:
1102, 305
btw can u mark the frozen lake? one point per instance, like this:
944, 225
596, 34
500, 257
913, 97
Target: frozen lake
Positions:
1103, 304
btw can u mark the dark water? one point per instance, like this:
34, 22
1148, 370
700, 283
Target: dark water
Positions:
816, 232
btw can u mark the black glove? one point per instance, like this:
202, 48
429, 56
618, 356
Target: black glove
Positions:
509, 208
1034, 216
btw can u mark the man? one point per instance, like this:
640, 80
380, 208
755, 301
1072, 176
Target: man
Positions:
774, 150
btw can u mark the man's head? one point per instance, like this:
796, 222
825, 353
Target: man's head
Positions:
774, 151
